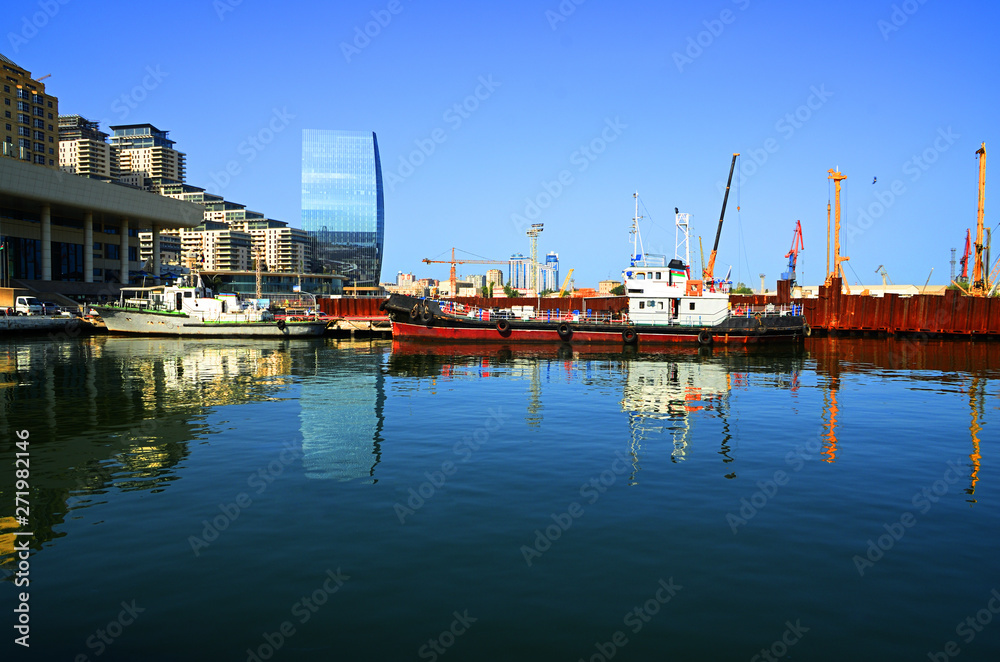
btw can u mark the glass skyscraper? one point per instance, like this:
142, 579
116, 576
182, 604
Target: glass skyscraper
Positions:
342, 203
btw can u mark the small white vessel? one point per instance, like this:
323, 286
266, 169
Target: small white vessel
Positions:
190, 309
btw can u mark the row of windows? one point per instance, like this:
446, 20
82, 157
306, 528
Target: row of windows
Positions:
24, 94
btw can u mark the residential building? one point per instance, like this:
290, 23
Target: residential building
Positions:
495, 277
214, 246
518, 271
404, 280
84, 149
283, 249
30, 117
605, 286
549, 272
342, 204
147, 158
170, 248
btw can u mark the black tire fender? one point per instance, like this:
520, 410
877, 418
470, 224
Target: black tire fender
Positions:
630, 337
281, 324
806, 329
503, 327
565, 331
705, 337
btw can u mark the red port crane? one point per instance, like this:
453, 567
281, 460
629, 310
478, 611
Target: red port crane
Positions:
793, 254
965, 257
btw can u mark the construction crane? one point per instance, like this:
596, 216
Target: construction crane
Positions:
885, 276
452, 278
979, 277
964, 278
562, 291
793, 254
709, 269
838, 260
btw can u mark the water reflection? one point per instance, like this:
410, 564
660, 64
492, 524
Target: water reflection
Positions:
116, 413
342, 416
964, 366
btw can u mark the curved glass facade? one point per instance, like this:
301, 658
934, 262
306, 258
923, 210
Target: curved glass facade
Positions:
342, 203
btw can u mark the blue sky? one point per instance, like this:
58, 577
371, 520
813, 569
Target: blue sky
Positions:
569, 106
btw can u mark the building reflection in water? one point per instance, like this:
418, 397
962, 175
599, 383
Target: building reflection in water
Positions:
117, 413
342, 416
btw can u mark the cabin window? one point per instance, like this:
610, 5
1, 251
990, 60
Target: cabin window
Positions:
633, 290
661, 305
188, 294
659, 275
692, 305
642, 304
650, 275
651, 304
640, 276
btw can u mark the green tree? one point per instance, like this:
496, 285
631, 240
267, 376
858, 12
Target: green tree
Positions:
509, 291
741, 288
487, 291
618, 290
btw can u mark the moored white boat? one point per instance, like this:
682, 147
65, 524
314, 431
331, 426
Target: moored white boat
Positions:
192, 310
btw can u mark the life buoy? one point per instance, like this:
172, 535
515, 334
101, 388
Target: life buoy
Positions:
503, 327
705, 337
630, 337
565, 331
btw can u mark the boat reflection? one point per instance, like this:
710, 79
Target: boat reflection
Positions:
118, 413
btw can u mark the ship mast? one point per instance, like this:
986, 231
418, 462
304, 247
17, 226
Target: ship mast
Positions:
637, 249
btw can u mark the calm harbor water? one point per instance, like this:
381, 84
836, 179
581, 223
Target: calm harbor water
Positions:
324, 500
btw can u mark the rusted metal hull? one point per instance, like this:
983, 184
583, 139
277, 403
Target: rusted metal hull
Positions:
953, 314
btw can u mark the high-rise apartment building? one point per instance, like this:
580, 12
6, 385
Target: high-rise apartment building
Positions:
342, 204
494, 277
146, 156
84, 149
30, 117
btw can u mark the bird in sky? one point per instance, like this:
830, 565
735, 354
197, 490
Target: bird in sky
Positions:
874, 180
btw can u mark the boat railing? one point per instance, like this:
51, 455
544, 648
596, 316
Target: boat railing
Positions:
548, 315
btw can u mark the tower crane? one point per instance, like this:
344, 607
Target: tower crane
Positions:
452, 278
709, 269
793, 254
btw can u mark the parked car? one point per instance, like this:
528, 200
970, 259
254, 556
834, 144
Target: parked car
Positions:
28, 306
51, 308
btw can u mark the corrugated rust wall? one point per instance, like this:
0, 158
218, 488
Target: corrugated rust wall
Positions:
953, 313
350, 307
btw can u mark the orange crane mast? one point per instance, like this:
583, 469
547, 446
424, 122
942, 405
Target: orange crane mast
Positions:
979, 275
452, 278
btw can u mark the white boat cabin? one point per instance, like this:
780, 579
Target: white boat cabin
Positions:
194, 300
661, 292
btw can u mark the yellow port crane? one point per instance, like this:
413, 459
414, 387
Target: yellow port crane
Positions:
709, 269
838, 259
562, 291
452, 278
